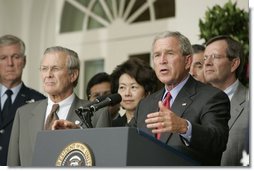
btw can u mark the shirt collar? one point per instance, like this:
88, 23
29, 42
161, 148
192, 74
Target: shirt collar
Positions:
231, 89
176, 89
65, 102
15, 90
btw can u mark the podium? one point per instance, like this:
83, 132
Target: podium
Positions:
108, 147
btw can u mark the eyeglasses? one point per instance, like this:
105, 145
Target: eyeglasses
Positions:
214, 56
93, 96
53, 69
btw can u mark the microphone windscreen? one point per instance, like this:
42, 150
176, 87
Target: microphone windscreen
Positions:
115, 98
101, 98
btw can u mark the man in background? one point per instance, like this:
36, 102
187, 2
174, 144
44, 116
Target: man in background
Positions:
223, 65
100, 85
12, 63
197, 65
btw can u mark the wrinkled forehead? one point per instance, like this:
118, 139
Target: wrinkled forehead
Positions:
10, 48
216, 46
198, 56
54, 59
167, 43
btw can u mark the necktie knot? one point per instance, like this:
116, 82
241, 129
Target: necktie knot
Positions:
166, 101
8, 92
55, 108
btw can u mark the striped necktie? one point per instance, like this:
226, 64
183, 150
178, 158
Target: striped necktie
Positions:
52, 117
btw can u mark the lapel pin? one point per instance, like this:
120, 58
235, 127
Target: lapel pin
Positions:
184, 104
30, 101
77, 122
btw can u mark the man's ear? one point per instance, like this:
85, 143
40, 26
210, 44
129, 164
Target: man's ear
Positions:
24, 61
74, 75
235, 63
188, 61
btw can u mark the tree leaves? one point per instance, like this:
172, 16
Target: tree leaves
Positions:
226, 20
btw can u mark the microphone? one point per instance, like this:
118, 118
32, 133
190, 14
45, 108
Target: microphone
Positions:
111, 100
86, 113
97, 100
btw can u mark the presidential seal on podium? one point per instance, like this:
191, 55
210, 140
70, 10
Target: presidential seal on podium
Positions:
75, 154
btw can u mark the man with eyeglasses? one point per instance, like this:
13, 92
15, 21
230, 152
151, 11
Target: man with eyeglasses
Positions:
12, 63
100, 85
59, 70
223, 63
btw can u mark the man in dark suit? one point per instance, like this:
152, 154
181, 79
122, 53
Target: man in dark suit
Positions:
196, 122
59, 70
12, 63
223, 65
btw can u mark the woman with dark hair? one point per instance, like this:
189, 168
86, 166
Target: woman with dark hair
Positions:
133, 80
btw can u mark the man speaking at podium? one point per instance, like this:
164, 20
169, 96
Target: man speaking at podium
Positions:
186, 114
195, 120
59, 71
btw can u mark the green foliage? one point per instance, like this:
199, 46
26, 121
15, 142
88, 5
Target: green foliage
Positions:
227, 20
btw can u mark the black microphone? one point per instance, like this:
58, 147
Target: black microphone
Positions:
111, 100
85, 114
97, 100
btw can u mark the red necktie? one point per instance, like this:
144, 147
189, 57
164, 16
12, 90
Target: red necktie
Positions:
166, 103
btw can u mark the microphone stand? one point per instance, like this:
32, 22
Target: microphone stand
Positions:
85, 114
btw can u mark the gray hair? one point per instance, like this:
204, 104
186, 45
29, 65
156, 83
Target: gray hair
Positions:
73, 62
12, 40
185, 45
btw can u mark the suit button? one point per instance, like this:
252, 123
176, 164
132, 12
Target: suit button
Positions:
1, 131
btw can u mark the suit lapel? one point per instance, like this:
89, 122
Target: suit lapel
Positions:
38, 116
183, 99
36, 122
181, 103
237, 104
72, 116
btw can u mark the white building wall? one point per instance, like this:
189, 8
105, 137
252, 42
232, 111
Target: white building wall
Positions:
37, 23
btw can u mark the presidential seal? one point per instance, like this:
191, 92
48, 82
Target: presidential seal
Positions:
75, 154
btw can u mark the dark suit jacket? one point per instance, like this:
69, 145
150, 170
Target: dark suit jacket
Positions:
24, 96
120, 121
29, 121
238, 125
206, 108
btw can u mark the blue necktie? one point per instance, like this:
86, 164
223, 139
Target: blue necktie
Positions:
7, 105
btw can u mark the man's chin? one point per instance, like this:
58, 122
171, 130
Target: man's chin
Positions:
50, 91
